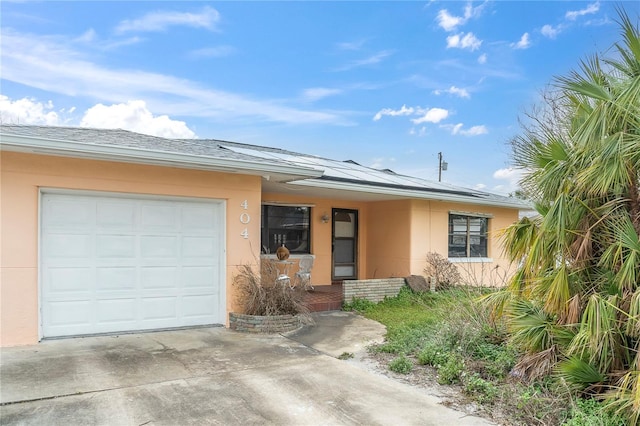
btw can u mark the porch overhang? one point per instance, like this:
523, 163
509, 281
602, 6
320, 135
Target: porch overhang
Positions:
342, 189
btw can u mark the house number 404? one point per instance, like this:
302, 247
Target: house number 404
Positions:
245, 219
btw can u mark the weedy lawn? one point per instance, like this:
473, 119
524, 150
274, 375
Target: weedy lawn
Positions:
452, 332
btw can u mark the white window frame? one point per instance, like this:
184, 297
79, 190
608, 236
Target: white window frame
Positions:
468, 258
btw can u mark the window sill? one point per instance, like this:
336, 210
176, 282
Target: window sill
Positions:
471, 260
291, 256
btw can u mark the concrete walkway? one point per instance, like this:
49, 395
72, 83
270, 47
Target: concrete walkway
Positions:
211, 376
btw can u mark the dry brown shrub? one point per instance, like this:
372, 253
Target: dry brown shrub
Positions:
259, 294
445, 272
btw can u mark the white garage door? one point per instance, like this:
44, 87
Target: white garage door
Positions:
116, 263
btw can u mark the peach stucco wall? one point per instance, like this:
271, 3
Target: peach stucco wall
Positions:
389, 239
401, 233
395, 236
430, 227
21, 177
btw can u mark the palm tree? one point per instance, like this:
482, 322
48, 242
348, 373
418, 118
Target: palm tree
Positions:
574, 303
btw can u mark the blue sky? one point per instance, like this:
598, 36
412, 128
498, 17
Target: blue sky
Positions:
386, 84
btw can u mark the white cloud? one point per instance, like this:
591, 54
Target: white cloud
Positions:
449, 22
482, 59
351, 45
475, 131
371, 60
512, 177
393, 113
88, 36
479, 186
457, 129
46, 63
212, 52
523, 43
317, 93
590, 9
433, 115
92, 39
464, 41
135, 116
550, 31
453, 90
381, 162
422, 131
207, 18
27, 111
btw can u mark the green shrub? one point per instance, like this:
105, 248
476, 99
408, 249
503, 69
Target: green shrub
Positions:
589, 412
450, 371
358, 305
497, 360
401, 364
432, 354
541, 403
479, 389
406, 338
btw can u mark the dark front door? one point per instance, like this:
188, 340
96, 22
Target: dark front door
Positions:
345, 244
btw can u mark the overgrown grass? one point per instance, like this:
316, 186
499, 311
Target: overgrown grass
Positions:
452, 332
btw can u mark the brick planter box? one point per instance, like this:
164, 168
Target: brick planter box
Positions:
264, 324
374, 290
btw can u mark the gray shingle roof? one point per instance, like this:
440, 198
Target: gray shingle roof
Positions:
323, 169
127, 139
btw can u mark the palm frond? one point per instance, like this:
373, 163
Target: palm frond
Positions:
624, 399
579, 373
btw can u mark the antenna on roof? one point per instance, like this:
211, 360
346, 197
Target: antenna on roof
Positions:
442, 165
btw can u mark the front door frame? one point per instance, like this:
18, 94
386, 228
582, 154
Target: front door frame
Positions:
335, 212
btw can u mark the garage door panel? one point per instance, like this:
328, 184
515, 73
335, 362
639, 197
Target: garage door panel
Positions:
59, 245
135, 264
66, 212
116, 278
108, 246
198, 305
196, 218
115, 215
198, 276
69, 280
159, 246
116, 310
71, 312
198, 247
159, 215
158, 277
155, 308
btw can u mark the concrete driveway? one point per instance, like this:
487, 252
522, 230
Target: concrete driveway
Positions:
211, 376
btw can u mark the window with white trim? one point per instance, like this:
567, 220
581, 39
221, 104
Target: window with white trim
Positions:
468, 235
288, 225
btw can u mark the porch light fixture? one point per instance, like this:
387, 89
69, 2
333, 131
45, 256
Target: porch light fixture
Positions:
325, 218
